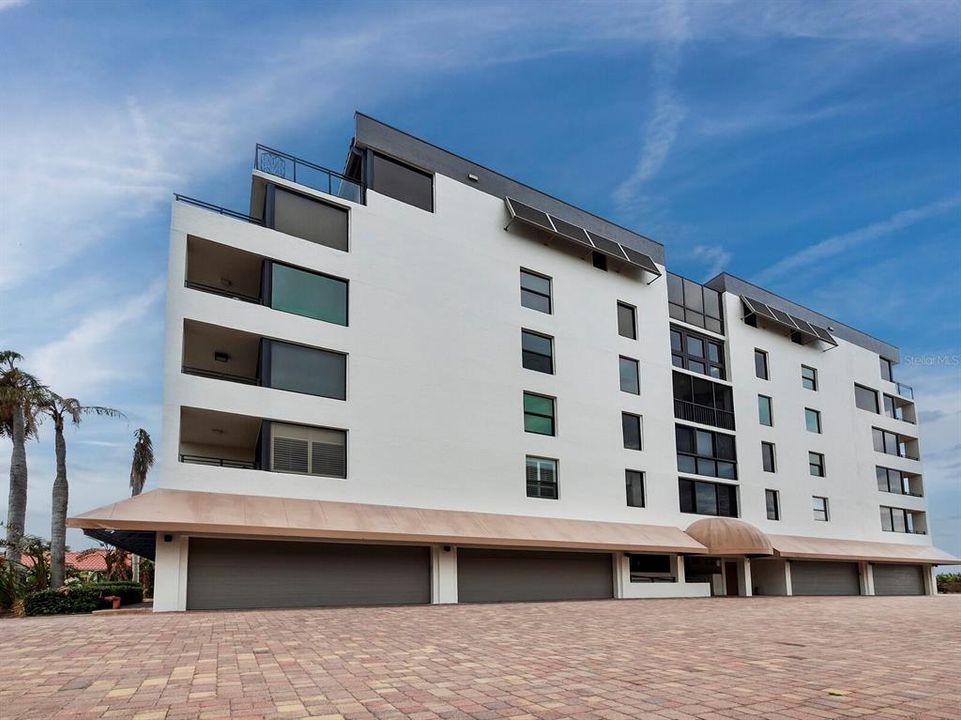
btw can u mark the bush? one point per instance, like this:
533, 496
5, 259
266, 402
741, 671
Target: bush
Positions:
66, 600
949, 583
130, 592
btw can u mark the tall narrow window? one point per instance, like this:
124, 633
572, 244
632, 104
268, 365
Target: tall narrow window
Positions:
809, 378
541, 477
816, 464
635, 488
767, 457
812, 420
866, 398
887, 370
536, 291
627, 320
631, 426
537, 352
538, 414
765, 414
630, 376
760, 365
820, 505
773, 505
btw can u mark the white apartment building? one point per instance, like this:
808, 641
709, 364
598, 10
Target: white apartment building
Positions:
421, 381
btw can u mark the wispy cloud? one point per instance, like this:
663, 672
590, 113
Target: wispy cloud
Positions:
7, 4
714, 256
837, 244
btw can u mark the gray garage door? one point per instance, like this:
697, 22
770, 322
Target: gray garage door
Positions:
824, 578
264, 574
898, 580
515, 575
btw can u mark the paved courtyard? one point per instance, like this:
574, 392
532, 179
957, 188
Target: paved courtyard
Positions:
673, 659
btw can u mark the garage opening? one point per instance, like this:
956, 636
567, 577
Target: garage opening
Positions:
530, 575
240, 574
899, 580
825, 578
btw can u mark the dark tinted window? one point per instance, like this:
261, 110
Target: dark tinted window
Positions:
538, 414
773, 506
767, 457
703, 452
536, 291
403, 183
887, 370
630, 377
631, 426
305, 293
697, 353
650, 564
694, 304
307, 370
537, 351
627, 320
702, 401
635, 488
760, 364
303, 217
866, 398
816, 463
707, 498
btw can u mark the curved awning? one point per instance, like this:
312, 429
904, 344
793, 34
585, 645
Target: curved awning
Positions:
730, 536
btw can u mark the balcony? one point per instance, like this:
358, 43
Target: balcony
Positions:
303, 172
217, 352
896, 444
905, 390
219, 439
703, 414
699, 400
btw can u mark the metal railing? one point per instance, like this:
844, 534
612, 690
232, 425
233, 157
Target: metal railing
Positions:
217, 209
703, 414
905, 390
218, 462
298, 170
218, 375
222, 291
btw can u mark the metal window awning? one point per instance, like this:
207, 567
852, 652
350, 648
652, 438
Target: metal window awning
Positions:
573, 233
808, 332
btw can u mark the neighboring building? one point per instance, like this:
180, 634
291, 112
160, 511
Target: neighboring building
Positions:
89, 565
422, 381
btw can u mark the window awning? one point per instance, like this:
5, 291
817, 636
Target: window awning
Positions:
185, 511
813, 548
574, 233
808, 332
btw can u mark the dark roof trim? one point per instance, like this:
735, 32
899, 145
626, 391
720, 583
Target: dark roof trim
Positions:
726, 282
374, 134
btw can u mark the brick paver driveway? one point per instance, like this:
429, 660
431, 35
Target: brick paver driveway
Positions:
706, 658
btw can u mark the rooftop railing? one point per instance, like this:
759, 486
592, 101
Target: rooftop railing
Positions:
284, 165
217, 209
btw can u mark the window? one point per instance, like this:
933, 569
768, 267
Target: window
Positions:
599, 260
694, 304
697, 353
816, 464
308, 450
631, 427
304, 217
537, 352
866, 398
635, 488
773, 503
305, 370
887, 370
760, 365
536, 291
812, 420
894, 481
902, 521
707, 498
538, 414
630, 376
888, 442
891, 408
809, 378
402, 182
765, 414
627, 320
650, 568
313, 295
541, 478
704, 452
767, 457
820, 505
702, 401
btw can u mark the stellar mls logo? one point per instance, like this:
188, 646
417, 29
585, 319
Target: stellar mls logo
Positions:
930, 360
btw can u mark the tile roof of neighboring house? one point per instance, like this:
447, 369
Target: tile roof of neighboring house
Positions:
91, 560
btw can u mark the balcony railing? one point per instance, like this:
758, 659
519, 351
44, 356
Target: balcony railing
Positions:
223, 291
218, 209
217, 375
703, 414
307, 173
905, 390
218, 462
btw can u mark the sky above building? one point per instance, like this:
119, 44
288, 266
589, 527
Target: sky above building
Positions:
809, 147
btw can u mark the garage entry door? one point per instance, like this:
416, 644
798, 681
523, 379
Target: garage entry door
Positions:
898, 580
517, 575
273, 574
824, 578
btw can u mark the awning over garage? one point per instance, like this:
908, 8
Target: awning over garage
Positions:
184, 511
811, 548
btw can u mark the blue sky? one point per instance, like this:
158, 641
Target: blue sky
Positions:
812, 147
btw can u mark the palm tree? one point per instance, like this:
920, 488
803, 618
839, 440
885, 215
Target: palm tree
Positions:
60, 410
142, 461
21, 394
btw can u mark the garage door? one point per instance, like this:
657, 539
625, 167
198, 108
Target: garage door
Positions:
824, 578
898, 580
271, 574
514, 575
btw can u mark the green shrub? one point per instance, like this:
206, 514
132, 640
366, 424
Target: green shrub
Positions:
130, 592
66, 600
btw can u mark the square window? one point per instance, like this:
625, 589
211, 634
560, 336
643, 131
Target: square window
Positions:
812, 420
536, 291
767, 457
866, 398
635, 488
541, 477
773, 505
538, 414
627, 320
816, 464
809, 378
760, 365
631, 427
695, 346
820, 505
765, 414
630, 376
537, 352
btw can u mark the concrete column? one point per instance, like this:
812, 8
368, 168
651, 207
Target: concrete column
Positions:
866, 573
443, 574
744, 585
930, 579
622, 574
679, 569
788, 588
170, 573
